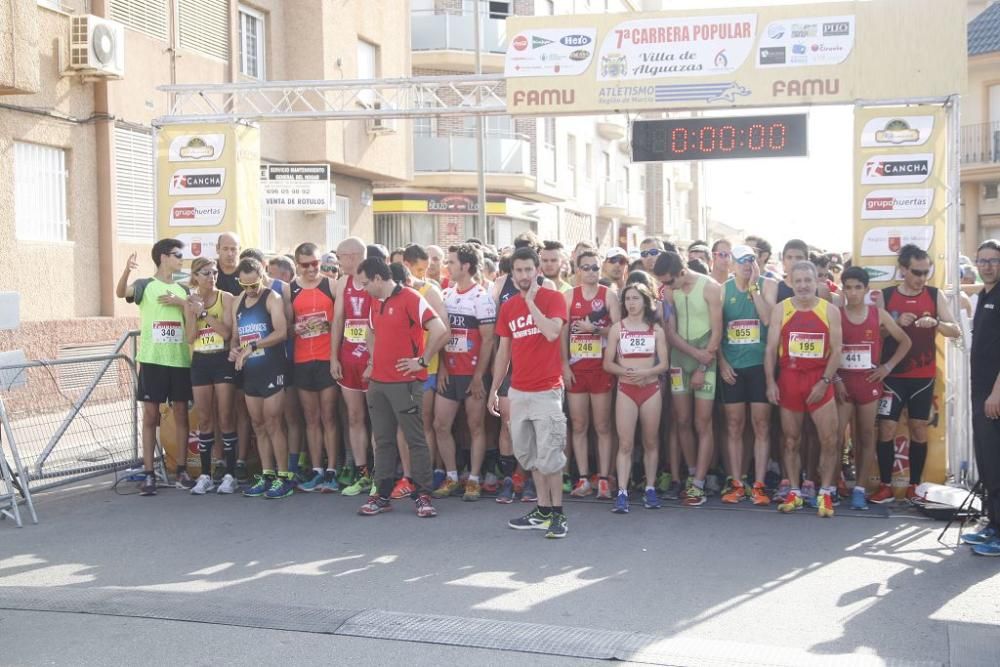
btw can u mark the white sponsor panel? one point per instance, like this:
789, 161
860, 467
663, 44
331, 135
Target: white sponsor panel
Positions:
880, 272
676, 47
886, 241
196, 147
798, 42
197, 181
897, 204
897, 131
297, 187
898, 168
550, 52
197, 213
198, 245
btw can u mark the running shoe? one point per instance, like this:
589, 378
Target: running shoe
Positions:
824, 506
758, 495
987, 534
809, 494
472, 491
559, 527
673, 491
621, 503
449, 487
228, 485
663, 481
363, 484
783, 488
148, 486
183, 480
693, 496
490, 483
242, 475
506, 494
791, 503
425, 509
883, 495
262, 484
650, 500
533, 520
603, 489
727, 486
858, 500
712, 485
737, 492
842, 490
438, 477
772, 481
281, 487
330, 484
582, 488
567, 483
313, 483
218, 471
203, 485
404, 487
912, 496
518, 482
991, 548
346, 477
529, 495
376, 505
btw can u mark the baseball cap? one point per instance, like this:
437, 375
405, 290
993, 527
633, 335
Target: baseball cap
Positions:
742, 252
615, 252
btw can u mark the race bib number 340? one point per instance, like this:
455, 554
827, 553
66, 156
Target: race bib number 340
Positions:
168, 332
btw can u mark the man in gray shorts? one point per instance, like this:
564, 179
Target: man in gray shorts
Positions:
529, 325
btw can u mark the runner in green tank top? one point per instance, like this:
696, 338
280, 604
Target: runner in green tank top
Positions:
747, 301
164, 355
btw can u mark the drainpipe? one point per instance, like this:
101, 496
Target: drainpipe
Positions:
106, 224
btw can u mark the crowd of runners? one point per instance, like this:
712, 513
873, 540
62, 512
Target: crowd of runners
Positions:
530, 372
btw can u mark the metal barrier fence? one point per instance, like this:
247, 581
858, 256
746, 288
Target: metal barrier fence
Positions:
67, 419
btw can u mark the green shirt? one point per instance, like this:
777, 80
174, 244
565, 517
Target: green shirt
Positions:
161, 336
744, 336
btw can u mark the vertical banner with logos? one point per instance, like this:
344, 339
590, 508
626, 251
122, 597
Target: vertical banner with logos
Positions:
207, 183
901, 197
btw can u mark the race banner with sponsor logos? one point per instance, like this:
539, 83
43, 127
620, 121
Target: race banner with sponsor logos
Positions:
775, 55
900, 198
207, 183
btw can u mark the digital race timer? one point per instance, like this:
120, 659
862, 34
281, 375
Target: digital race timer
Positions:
719, 138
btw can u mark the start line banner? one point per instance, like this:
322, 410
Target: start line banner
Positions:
742, 57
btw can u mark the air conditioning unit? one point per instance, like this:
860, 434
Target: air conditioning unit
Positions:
97, 47
381, 126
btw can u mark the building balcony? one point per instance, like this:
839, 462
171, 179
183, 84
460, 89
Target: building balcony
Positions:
980, 148
448, 42
450, 162
613, 202
636, 212
612, 128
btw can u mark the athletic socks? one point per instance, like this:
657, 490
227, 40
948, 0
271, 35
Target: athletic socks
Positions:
205, 442
886, 454
508, 464
453, 475
229, 451
918, 457
557, 509
293, 463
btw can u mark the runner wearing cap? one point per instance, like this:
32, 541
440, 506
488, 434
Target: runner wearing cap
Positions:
615, 268
329, 266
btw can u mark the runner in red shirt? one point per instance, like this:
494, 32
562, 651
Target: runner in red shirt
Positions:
529, 326
396, 375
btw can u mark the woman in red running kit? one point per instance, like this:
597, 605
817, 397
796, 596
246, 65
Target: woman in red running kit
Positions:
637, 354
861, 374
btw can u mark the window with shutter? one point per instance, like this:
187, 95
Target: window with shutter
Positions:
251, 43
204, 26
147, 16
134, 208
39, 193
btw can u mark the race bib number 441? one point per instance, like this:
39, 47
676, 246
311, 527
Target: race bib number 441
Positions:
807, 345
856, 357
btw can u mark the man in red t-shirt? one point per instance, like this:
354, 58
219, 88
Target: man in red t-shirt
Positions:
396, 372
529, 326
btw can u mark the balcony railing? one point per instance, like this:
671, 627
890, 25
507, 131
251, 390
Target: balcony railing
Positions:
613, 195
451, 32
981, 143
506, 153
637, 204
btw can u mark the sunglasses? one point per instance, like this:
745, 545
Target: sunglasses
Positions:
747, 259
309, 265
252, 285
208, 272
652, 252
988, 261
722, 254
590, 267
920, 273
616, 260
330, 268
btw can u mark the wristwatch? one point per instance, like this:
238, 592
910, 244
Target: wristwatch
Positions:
253, 346
703, 367
423, 364
826, 379
203, 314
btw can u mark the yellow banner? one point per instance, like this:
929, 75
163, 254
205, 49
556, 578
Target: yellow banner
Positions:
901, 197
721, 58
207, 183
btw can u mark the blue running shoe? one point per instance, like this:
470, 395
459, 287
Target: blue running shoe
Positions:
313, 483
991, 548
282, 487
439, 476
529, 495
262, 484
983, 536
621, 503
650, 500
809, 494
329, 484
506, 494
858, 500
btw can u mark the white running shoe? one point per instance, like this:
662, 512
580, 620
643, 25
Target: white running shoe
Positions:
203, 485
227, 485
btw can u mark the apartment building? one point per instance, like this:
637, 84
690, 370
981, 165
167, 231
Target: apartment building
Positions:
980, 140
76, 181
569, 178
